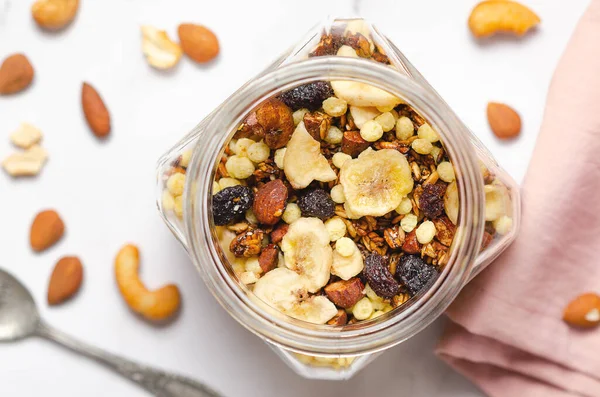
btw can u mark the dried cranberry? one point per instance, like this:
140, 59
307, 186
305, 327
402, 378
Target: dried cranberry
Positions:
316, 203
231, 203
431, 201
378, 276
415, 273
309, 96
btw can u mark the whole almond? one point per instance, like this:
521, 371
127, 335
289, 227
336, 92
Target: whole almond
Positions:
54, 14
16, 73
583, 311
65, 280
47, 228
198, 42
504, 121
95, 111
270, 201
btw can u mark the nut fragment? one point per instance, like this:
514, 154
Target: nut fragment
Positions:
394, 237
16, 73
270, 201
160, 51
445, 230
277, 121
247, 243
26, 136
268, 258
154, 305
353, 144
95, 111
65, 280
583, 311
54, 14
317, 124
279, 232
341, 318
47, 228
411, 244
345, 293
504, 121
492, 16
198, 42
26, 163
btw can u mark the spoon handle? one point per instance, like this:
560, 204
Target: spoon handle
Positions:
157, 382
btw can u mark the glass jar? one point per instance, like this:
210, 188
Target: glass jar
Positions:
487, 219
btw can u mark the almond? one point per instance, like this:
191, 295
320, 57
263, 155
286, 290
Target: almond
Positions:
353, 144
270, 201
54, 14
345, 293
95, 111
47, 228
583, 311
198, 42
16, 73
279, 232
341, 318
268, 258
65, 280
504, 121
411, 244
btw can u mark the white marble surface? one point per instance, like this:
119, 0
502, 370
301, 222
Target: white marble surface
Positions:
105, 191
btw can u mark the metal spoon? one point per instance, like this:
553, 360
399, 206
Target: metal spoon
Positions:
19, 319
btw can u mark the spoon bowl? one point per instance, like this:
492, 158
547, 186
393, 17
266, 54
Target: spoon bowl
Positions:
19, 317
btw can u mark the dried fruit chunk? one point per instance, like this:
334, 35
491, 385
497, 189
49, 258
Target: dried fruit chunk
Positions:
27, 163
277, 122
360, 115
16, 73
492, 16
361, 94
198, 42
54, 14
303, 161
309, 96
378, 276
415, 273
431, 201
345, 293
154, 305
26, 136
270, 201
307, 252
451, 203
231, 203
375, 182
504, 121
65, 280
347, 259
47, 228
268, 258
353, 144
247, 243
583, 311
95, 111
316, 203
160, 51
497, 201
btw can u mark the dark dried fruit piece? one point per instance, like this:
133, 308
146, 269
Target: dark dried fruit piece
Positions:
248, 243
279, 232
431, 201
341, 318
445, 230
270, 201
317, 124
415, 273
231, 203
309, 96
353, 144
345, 293
378, 276
394, 237
411, 244
277, 121
268, 258
316, 203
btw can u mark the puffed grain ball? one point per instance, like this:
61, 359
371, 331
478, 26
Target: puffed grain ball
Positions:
259, 152
216, 188
422, 146
248, 278
252, 265
334, 135
408, 223
298, 115
251, 217
279, 155
363, 309
387, 108
178, 206
228, 182
168, 201
336, 228
426, 132
335, 107
371, 131
404, 207
446, 171
347, 51
239, 167
292, 213
345, 246
340, 158
176, 184
425, 232
503, 225
404, 128
386, 121
242, 145
337, 194
186, 156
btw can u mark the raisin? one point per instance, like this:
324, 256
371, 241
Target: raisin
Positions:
231, 203
316, 203
378, 276
431, 201
309, 96
415, 273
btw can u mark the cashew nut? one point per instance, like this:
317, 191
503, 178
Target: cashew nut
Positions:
492, 16
153, 305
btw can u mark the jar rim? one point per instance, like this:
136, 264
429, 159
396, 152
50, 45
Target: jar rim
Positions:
363, 337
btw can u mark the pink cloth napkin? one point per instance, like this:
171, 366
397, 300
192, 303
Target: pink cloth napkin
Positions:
506, 333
